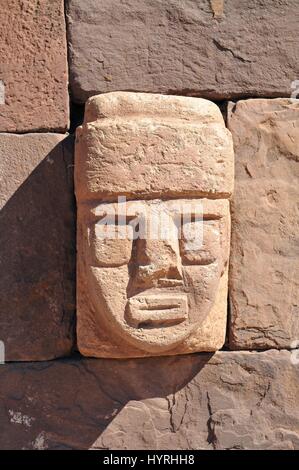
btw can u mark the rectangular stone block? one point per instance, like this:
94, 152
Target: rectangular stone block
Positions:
216, 49
230, 400
37, 246
264, 262
33, 66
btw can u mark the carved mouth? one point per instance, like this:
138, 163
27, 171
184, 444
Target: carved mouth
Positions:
153, 311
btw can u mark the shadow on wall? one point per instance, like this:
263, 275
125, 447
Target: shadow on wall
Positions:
37, 246
68, 404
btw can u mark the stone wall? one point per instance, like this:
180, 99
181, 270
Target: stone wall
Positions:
54, 56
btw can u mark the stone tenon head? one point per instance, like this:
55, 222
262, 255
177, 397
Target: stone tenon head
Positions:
153, 175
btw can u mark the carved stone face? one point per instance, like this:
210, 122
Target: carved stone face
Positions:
152, 271
152, 287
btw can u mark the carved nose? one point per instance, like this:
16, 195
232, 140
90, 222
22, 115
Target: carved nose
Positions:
158, 262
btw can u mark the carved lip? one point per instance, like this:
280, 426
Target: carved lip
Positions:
160, 310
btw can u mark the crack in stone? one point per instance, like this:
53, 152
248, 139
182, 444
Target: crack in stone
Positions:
263, 395
227, 49
212, 438
171, 404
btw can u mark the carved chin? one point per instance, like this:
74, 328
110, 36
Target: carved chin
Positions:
154, 321
151, 323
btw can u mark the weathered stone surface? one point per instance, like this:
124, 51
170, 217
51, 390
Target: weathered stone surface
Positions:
37, 246
264, 263
141, 144
33, 66
149, 284
232, 400
213, 49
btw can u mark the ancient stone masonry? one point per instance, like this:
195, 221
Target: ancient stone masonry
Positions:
149, 224
37, 245
147, 295
264, 264
33, 66
208, 48
232, 400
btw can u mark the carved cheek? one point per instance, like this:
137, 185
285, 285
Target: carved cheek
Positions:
108, 290
201, 283
200, 244
112, 249
110, 253
202, 267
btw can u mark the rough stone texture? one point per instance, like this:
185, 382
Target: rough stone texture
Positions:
264, 267
232, 400
37, 245
33, 66
148, 293
213, 49
141, 145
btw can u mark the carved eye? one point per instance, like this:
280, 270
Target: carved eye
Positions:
200, 242
111, 245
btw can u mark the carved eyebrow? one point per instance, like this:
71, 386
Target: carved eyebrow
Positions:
114, 215
212, 216
116, 218
106, 210
195, 215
